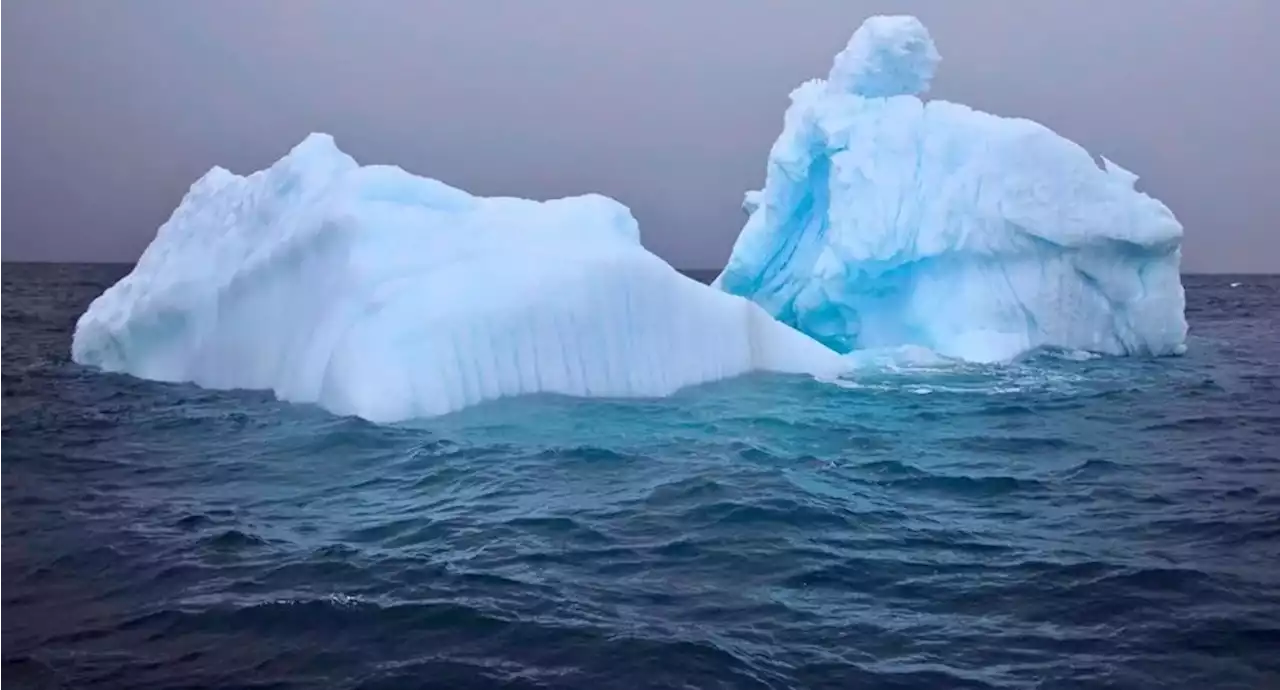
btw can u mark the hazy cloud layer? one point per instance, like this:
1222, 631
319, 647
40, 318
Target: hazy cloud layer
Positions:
112, 109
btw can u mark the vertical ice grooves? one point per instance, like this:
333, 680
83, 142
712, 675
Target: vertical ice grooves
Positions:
373, 292
461, 342
451, 366
628, 338
539, 351
603, 358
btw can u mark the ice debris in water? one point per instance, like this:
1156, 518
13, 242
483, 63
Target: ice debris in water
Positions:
888, 221
374, 292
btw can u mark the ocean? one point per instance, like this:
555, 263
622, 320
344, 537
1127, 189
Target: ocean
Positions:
1059, 522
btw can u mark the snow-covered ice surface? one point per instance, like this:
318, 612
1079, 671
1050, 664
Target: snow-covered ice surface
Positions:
887, 221
375, 292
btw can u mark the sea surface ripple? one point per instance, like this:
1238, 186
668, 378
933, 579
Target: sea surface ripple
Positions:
1060, 522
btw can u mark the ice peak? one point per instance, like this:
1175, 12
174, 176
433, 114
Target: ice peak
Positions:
315, 147
887, 56
316, 141
316, 155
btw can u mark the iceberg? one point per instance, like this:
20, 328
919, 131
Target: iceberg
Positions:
374, 292
888, 221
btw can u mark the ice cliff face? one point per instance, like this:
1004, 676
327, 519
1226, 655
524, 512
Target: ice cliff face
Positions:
885, 221
374, 292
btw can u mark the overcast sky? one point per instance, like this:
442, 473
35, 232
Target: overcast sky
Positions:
112, 109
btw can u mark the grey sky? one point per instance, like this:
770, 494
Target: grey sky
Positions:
115, 108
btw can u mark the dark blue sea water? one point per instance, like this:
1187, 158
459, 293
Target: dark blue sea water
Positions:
1051, 524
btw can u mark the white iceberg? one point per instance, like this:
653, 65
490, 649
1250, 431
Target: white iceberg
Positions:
887, 221
374, 292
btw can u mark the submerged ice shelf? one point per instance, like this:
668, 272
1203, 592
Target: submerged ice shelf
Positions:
887, 221
374, 292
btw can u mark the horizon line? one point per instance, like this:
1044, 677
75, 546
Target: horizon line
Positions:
682, 269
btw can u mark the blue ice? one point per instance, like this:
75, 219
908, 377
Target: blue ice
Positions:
888, 221
374, 292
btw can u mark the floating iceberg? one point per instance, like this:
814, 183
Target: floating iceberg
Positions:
886, 221
374, 292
